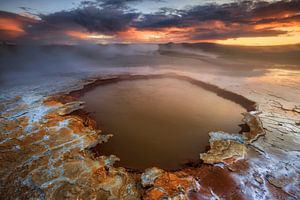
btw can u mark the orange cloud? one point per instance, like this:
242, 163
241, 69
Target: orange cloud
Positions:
272, 15
212, 24
184, 34
12, 25
278, 25
279, 28
77, 34
11, 28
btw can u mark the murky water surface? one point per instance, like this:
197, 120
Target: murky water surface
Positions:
159, 122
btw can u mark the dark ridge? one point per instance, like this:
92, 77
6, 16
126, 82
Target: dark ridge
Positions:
283, 54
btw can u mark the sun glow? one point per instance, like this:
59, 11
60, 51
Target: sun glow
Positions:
291, 37
155, 36
87, 36
99, 36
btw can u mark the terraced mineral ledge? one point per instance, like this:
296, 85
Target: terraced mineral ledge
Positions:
45, 153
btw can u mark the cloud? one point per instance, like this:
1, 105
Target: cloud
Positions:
245, 12
115, 20
83, 20
13, 25
278, 9
112, 4
94, 19
156, 21
210, 34
239, 19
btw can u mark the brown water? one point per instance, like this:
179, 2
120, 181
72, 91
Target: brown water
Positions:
159, 122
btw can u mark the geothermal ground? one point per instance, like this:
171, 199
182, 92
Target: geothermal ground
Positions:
47, 137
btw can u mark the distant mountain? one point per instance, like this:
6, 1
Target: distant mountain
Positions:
285, 54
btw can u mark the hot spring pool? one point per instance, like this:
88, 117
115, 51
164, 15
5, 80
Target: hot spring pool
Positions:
161, 122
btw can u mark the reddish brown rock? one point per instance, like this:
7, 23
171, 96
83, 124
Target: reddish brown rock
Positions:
167, 185
70, 107
43, 155
215, 183
224, 151
255, 125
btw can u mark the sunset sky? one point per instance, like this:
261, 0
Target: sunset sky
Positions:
150, 21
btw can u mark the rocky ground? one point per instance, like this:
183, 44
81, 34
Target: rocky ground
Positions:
45, 140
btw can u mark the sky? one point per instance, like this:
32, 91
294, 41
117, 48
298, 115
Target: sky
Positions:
232, 22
